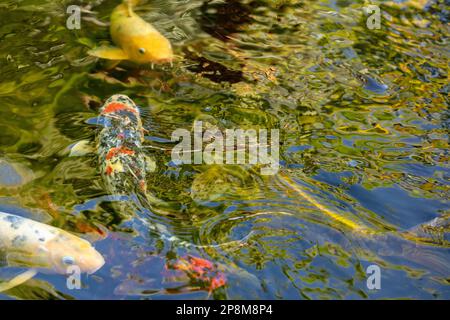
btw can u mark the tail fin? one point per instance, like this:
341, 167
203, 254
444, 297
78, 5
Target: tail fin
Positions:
433, 232
159, 206
132, 3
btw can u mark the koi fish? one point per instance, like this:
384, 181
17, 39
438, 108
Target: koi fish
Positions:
123, 162
28, 243
200, 270
135, 39
431, 232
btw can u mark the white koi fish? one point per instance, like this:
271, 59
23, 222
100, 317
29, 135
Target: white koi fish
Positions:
28, 243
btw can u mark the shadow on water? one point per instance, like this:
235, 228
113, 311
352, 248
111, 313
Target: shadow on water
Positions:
223, 19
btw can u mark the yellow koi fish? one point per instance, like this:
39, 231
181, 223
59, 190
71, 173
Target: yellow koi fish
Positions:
431, 232
28, 243
136, 40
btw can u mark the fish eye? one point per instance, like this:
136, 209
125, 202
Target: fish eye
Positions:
67, 260
141, 50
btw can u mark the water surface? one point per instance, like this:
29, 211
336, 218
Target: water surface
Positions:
363, 120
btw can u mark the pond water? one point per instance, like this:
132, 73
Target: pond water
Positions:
363, 122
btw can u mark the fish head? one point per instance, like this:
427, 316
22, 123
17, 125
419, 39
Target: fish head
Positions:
121, 113
151, 48
119, 102
67, 250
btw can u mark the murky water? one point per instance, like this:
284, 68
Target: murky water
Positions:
363, 120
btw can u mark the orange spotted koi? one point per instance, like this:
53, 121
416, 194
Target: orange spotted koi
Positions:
122, 162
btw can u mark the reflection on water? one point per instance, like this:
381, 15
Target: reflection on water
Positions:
363, 119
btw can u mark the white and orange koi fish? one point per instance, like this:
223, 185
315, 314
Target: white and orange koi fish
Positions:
121, 158
119, 146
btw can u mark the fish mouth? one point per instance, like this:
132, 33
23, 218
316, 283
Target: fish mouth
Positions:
99, 263
91, 262
163, 60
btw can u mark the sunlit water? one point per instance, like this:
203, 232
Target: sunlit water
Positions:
363, 119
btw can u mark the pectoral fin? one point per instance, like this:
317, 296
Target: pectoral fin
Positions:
18, 280
111, 53
81, 148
